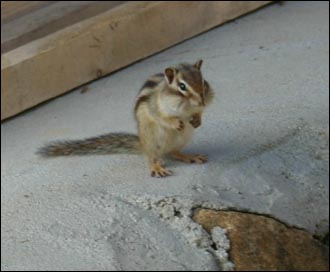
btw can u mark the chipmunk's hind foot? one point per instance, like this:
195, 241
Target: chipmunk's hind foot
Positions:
158, 171
197, 158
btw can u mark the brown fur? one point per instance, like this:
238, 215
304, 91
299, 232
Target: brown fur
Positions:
167, 118
140, 100
112, 143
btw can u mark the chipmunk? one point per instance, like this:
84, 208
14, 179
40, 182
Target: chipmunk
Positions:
167, 109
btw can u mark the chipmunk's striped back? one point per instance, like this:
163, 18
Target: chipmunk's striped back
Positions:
148, 88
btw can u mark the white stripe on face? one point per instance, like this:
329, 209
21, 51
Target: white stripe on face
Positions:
196, 98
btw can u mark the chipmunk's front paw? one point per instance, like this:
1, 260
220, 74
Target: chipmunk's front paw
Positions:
196, 120
178, 124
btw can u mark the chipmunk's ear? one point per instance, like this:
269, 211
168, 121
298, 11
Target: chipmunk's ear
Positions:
170, 74
198, 64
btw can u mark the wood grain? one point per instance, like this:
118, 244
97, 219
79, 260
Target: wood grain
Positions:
94, 47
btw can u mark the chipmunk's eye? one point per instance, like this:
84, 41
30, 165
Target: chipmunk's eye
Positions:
183, 87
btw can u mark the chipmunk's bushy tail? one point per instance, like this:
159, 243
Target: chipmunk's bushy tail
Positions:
112, 143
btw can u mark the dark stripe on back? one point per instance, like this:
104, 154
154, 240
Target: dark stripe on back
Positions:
149, 84
140, 100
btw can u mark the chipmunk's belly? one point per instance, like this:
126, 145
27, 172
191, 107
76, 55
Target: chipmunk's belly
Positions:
158, 140
171, 139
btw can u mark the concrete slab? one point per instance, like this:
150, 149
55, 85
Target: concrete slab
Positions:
266, 135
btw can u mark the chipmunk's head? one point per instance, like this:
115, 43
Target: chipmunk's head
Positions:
186, 80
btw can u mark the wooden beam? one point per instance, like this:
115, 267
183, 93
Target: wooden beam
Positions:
47, 20
11, 10
84, 51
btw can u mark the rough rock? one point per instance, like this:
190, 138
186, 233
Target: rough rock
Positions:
262, 243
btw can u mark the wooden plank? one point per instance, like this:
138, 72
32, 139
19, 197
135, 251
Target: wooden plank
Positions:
14, 9
49, 19
77, 54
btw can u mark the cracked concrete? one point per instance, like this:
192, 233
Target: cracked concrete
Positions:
266, 135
